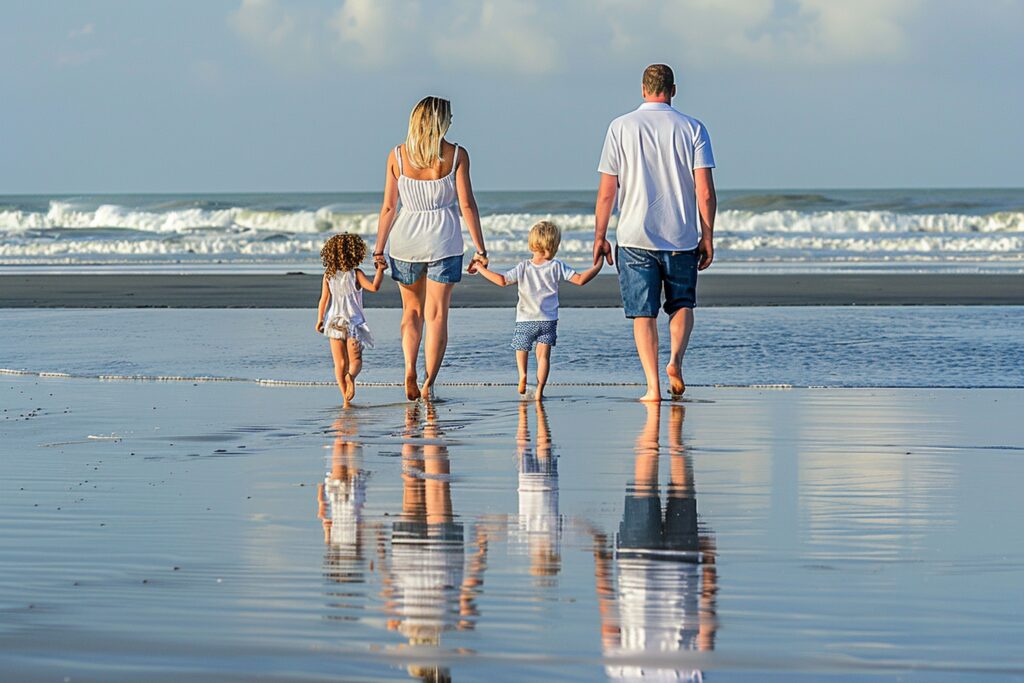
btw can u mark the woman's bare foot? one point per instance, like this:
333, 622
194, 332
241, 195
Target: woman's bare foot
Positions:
522, 384
350, 388
427, 392
412, 390
676, 386
651, 397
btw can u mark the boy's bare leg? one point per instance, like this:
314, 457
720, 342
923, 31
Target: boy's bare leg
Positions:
680, 324
522, 361
543, 367
645, 334
340, 366
355, 366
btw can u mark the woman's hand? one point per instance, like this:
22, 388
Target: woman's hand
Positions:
477, 258
379, 260
320, 326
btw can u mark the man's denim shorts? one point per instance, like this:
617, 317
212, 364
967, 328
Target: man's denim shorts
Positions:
644, 272
446, 270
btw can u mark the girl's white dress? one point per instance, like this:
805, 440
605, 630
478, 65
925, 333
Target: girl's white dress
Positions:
344, 318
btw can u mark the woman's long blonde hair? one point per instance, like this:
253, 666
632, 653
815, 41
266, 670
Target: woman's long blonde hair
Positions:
428, 123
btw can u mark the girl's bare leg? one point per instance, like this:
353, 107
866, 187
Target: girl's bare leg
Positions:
435, 315
543, 366
340, 366
522, 360
413, 297
355, 364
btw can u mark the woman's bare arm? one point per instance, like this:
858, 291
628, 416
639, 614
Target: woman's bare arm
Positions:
467, 202
388, 208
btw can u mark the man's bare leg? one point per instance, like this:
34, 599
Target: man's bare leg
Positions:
680, 324
645, 334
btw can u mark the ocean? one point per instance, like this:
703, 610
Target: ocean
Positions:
976, 230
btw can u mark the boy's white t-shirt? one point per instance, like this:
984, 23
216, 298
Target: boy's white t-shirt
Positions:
538, 288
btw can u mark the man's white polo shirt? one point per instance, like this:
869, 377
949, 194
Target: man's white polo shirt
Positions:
654, 151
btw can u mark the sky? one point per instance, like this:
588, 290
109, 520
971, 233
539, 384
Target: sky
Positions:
296, 95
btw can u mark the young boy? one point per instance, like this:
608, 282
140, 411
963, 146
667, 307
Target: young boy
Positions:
537, 312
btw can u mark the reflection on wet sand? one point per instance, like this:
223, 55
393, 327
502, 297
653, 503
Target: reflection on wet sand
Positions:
657, 587
428, 586
539, 525
340, 501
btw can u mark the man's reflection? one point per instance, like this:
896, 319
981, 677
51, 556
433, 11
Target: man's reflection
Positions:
662, 598
428, 587
340, 503
539, 524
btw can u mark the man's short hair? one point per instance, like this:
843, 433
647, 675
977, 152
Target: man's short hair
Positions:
659, 79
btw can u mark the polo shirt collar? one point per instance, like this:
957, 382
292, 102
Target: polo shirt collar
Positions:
655, 106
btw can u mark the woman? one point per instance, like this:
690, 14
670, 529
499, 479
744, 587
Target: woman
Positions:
431, 177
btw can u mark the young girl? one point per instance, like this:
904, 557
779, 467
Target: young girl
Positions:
344, 324
537, 312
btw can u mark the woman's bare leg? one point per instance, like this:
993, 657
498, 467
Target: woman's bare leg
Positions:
355, 366
522, 361
543, 367
435, 316
413, 298
340, 366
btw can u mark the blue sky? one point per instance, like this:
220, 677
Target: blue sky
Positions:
265, 95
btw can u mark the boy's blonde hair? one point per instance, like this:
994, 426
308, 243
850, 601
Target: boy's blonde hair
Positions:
428, 123
544, 238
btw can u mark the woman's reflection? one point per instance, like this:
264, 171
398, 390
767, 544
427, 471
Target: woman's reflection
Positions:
657, 589
340, 501
539, 524
429, 588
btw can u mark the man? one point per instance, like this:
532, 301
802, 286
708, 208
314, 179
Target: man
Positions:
658, 162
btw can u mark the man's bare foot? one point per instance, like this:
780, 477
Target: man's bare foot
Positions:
350, 388
651, 397
412, 390
522, 384
676, 386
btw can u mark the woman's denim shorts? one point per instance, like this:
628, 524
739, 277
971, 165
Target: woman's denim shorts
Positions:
446, 270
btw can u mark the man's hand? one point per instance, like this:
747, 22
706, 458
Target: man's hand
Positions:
705, 253
603, 250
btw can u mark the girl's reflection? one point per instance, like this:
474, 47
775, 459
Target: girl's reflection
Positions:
340, 503
539, 524
663, 595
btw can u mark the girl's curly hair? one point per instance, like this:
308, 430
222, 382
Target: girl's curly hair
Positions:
342, 252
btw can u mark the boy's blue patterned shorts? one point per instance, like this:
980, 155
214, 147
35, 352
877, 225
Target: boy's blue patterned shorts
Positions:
530, 332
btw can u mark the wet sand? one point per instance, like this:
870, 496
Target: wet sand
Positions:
302, 291
226, 531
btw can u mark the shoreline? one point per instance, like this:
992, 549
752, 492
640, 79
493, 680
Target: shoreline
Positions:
302, 291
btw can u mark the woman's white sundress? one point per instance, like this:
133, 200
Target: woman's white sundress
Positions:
427, 228
344, 318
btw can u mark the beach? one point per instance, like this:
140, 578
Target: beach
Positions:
301, 290
229, 531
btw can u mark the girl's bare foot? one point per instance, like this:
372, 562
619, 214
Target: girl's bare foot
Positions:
350, 388
522, 384
676, 386
412, 391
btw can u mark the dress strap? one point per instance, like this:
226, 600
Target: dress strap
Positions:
455, 161
398, 158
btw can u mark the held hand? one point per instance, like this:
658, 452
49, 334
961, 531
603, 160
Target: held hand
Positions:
705, 253
379, 260
478, 258
603, 250
379, 265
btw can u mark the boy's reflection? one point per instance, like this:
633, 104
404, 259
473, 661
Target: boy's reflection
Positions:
427, 590
340, 503
663, 597
539, 525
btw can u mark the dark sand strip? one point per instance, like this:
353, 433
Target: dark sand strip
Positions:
302, 291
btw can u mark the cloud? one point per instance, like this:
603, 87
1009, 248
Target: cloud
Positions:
82, 31
534, 37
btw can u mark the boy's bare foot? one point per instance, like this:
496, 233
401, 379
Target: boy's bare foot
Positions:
522, 384
350, 388
651, 397
412, 390
676, 386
